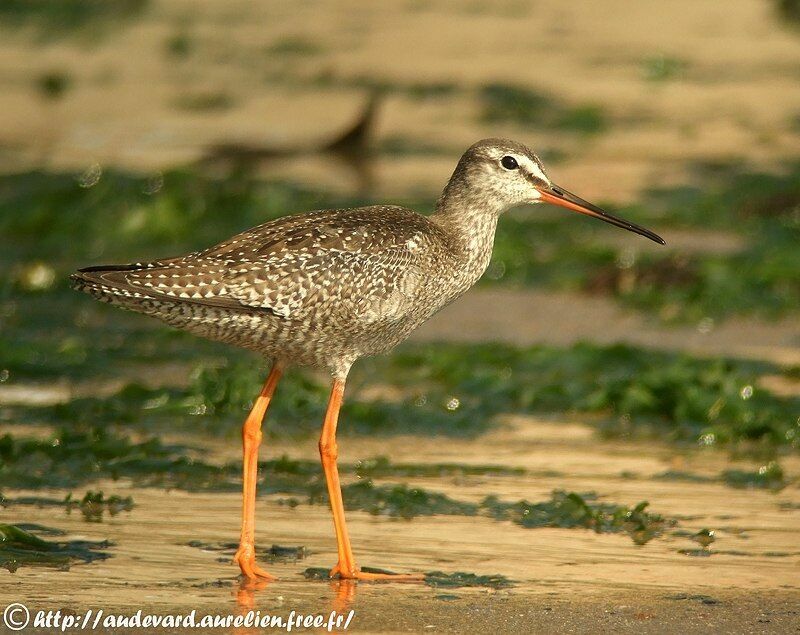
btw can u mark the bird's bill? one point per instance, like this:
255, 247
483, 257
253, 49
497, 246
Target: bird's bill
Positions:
562, 198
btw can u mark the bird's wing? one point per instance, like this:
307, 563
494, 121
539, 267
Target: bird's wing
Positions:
358, 258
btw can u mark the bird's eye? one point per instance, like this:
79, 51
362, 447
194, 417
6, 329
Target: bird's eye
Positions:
509, 163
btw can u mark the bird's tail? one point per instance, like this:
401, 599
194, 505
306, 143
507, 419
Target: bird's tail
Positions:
107, 284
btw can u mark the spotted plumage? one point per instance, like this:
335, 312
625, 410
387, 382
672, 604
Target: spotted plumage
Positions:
319, 289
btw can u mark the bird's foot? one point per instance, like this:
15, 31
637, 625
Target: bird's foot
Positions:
355, 573
246, 559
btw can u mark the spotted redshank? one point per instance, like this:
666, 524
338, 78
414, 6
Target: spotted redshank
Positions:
324, 288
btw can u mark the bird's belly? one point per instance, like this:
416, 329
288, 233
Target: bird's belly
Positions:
321, 340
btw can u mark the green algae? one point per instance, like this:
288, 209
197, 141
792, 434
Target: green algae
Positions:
180, 44
295, 46
317, 573
13, 535
662, 68
436, 579
788, 11
703, 599
53, 84
458, 390
641, 393
84, 18
461, 579
93, 505
299, 402
686, 477
571, 510
381, 466
402, 501
274, 553
71, 457
523, 105
564, 509
770, 476
697, 553
19, 547
208, 101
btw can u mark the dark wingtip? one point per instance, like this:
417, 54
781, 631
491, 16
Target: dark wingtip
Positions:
108, 268
89, 277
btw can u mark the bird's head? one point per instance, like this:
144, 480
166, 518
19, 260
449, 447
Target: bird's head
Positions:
503, 174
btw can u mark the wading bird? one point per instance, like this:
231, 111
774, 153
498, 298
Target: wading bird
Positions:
324, 288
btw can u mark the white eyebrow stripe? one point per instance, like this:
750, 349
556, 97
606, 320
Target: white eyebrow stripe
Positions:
532, 168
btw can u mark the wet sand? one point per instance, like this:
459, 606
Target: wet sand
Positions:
563, 578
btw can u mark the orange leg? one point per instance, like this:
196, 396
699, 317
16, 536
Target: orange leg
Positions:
346, 567
251, 439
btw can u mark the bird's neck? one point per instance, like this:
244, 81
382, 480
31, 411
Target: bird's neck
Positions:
469, 218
